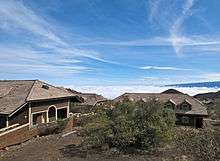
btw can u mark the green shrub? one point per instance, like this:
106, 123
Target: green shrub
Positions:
78, 108
141, 124
201, 145
52, 128
214, 111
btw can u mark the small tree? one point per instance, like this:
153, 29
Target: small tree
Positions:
140, 124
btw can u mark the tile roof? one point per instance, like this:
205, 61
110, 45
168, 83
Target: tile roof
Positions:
15, 93
197, 108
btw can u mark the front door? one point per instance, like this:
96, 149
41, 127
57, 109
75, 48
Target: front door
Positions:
199, 122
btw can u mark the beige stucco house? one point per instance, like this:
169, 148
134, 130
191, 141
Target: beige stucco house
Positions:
32, 102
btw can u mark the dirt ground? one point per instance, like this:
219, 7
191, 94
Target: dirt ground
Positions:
58, 148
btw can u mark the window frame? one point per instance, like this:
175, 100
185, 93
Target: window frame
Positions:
169, 105
184, 118
185, 106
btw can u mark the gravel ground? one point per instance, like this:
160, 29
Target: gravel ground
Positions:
58, 148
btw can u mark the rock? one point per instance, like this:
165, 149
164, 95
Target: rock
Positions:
184, 158
105, 147
114, 151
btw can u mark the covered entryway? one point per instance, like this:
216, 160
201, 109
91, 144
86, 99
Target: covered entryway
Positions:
39, 118
52, 114
199, 122
2, 121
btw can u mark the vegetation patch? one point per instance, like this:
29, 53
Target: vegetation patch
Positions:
199, 145
141, 125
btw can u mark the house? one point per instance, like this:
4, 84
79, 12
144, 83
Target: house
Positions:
189, 111
89, 101
32, 102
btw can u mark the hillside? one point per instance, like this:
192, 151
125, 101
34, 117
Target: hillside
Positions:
212, 101
214, 96
171, 91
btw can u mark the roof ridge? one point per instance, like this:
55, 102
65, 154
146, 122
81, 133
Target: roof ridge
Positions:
50, 85
30, 90
10, 80
57, 89
198, 101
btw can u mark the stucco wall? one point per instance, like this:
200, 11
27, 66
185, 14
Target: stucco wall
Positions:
43, 105
20, 117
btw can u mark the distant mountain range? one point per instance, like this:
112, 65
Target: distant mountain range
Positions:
208, 96
215, 84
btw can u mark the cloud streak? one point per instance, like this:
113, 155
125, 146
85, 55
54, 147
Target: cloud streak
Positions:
46, 45
27, 61
211, 76
176, 36
16, 15
173, 22
163, 68
199, 43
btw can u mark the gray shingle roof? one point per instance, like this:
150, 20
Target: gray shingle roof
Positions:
15, 93
197, 108
89, 98
39, 93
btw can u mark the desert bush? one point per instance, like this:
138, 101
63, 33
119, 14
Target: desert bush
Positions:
214, 111
141, 124
52, 128
78, 108
201, 145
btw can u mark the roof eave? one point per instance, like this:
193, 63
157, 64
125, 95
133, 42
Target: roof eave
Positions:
80, 99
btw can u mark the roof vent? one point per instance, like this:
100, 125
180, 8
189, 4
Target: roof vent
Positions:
44, 86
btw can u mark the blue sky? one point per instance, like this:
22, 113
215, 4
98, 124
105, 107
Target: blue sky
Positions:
110, 42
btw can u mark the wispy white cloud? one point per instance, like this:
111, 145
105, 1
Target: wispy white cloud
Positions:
194, 44
29, 61
15, 15
176, 36
154, 7
173, 21
211, 76
163, 68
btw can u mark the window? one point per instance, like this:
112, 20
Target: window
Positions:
169, 105
62, 113
39, 118
178, 119
3, 121
52, 114
44, 86
185, 120
185, 106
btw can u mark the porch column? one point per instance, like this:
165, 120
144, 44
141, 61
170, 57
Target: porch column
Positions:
56, 114
7, 124
29, 115
68, 109
47, 118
